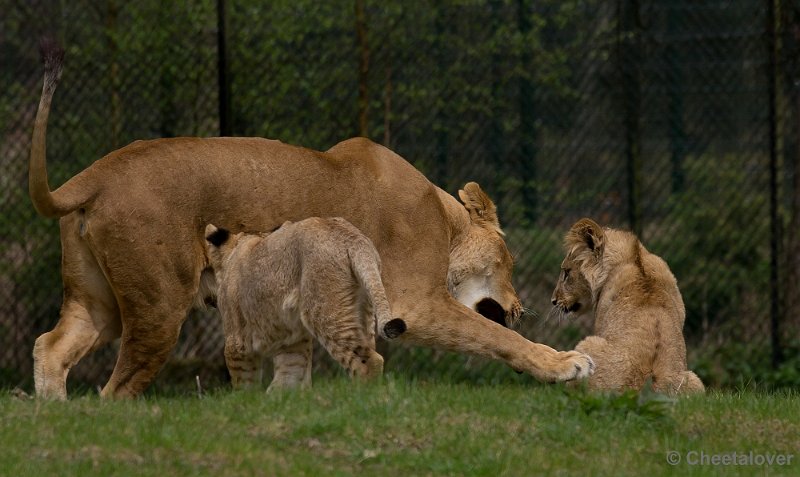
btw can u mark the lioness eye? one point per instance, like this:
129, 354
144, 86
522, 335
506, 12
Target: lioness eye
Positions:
566, 273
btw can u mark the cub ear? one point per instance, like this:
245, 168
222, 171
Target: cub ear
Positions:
216, 236
586, 233
479, 205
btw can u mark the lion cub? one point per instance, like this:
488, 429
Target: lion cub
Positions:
317, 277
637, 307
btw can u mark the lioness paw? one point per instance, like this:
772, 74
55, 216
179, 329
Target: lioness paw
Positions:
576, 365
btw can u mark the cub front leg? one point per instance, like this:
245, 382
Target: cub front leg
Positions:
613, 371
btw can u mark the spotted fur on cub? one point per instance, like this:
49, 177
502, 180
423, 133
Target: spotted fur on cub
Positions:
317, 278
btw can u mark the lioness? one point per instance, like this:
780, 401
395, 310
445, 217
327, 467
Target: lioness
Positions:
317, 277
637, 307
134, 254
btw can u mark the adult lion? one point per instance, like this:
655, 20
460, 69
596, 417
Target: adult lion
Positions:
637, 307
133, 248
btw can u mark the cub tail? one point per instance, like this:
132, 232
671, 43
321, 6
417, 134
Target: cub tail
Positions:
366, 267
219, 245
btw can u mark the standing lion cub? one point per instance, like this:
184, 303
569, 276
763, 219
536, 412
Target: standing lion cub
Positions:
317, 277
637, 307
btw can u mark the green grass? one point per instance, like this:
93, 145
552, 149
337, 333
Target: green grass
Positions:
398, 427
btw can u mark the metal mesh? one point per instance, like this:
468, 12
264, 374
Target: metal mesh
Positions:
662, 117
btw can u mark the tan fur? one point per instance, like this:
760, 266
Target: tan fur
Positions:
134, 252
317, 277
637, 308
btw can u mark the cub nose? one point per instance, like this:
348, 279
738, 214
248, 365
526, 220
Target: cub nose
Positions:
554, 301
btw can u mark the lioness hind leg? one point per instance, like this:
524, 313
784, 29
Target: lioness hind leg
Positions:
147, 341
78, 333
89, 316
155, 288
292, 366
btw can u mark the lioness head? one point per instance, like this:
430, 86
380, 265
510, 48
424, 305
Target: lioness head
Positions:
583, 244
479, 275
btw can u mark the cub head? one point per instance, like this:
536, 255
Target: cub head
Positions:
219, 245
480, 269
584, 245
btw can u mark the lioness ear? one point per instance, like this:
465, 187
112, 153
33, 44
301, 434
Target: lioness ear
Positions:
479, 205
216, 236
588, 233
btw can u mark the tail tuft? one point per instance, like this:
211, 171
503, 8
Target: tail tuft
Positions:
218, 237
53, 57
394, 328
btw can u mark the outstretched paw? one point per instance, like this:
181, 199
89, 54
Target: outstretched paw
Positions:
576, 365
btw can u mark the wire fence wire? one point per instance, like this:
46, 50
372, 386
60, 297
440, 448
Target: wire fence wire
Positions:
677, 119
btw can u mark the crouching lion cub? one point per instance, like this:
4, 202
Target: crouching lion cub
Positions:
317, 277
637, 307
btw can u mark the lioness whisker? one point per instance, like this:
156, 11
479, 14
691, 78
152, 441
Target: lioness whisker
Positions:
529, 312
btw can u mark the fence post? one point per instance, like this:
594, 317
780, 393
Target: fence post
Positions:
775, 226
441, 124
527, 112
223, 71
677, 132
628, 37
790, 58
496, 146
363, 69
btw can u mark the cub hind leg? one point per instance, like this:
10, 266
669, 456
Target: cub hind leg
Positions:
368, 319
340, 330
292, 366
684, 382
243, 363
670, 375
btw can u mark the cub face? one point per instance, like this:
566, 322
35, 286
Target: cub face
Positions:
479, 275
572, 293
584, 245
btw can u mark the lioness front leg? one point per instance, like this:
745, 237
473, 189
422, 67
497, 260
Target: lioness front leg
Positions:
441, 322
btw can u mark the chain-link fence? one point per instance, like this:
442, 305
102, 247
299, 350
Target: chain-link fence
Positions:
675, 118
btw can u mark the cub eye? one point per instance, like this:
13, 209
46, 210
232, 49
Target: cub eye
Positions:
566, 273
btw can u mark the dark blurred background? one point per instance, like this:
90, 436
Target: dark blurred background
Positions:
677, 119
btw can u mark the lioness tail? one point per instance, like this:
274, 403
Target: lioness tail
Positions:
70, 196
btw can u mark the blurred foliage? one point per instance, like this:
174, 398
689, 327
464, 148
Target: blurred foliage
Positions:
644, 404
